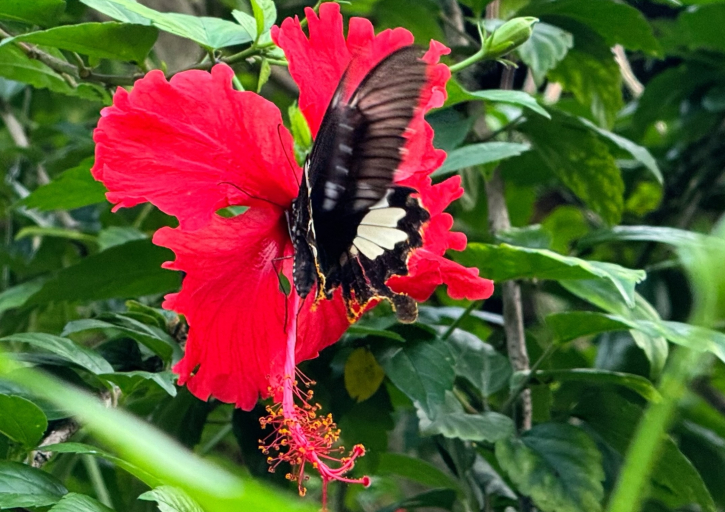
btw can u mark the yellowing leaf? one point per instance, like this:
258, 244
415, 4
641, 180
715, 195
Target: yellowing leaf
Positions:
363, 374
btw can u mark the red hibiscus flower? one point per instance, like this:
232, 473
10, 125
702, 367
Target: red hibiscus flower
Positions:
193, 145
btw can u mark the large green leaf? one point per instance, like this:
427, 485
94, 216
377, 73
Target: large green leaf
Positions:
568, 326
457, 94
479, 363
65, 349
639, 153
171, 499
636, 383
415, 469
74, 502
479, 154
582, 162
71, 189
675, 481
422, 369
503, 262
547, 47
112, 40
129, 382
666, 235
16, 296
124, 271
208, 32
23, 486
557, 465
606, 297
151, 336
21, 420
36, 12
15, 65
702, 26
617, 23
590, 72
453, 422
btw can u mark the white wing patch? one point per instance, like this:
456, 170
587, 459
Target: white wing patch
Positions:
384, 237
378, 232
385, 217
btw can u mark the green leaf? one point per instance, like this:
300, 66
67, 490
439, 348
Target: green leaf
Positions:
674, 480
265, 71
702, 26
209, 32
265, 14
617, 23
74, 502
582, 162
547, 47
171, 499
112, 40
132, 381
453, 422
636, 383
15, 65
672, 236
147, 448
16, 296
639, 153
568, 326
435, 499
118, 235
70, 234
65, 349
479, 154
557, 465
415, 469
479, 363
87, 449
124, 271
35, 12
23, 486
363, 374
503, 262
21, 420
300, 132
422, 369
457, 94
362, 331
590, 72
73, 188
152, 337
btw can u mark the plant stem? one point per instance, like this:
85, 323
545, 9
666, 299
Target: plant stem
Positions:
472, 306
644, 450
218, 438
99, 485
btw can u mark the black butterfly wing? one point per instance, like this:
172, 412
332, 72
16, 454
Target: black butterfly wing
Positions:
360, 227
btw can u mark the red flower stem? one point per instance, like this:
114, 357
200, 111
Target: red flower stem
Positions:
290, 413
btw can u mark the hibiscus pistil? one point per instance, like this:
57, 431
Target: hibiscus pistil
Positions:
301, 434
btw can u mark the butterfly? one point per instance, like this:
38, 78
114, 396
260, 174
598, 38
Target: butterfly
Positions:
350, 226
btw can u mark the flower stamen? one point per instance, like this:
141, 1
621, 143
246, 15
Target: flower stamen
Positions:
301, 434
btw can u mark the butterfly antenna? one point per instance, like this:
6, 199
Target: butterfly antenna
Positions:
282, 287
250, 195
289, 161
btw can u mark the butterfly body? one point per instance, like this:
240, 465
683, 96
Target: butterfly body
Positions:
351, 227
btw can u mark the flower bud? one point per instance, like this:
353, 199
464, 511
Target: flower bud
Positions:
509, 36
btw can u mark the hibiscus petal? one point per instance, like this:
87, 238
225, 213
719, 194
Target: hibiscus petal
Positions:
429, 270
235, 309
193, 145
